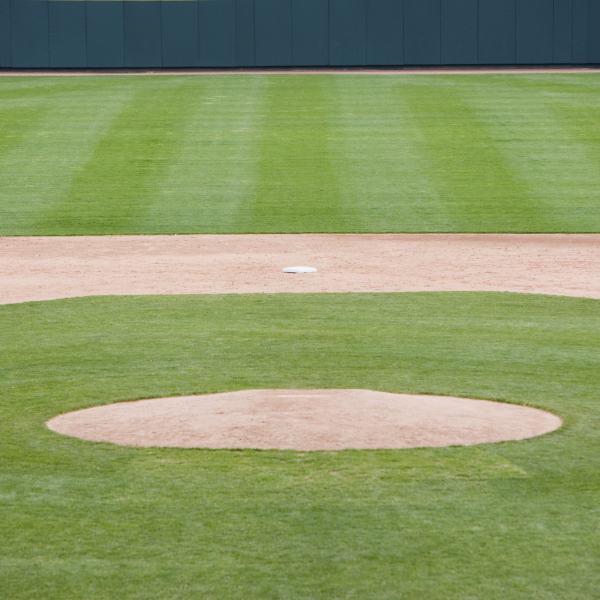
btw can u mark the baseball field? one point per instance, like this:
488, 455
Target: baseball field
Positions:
167, 302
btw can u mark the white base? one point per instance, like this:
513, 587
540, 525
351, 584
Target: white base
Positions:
299, 270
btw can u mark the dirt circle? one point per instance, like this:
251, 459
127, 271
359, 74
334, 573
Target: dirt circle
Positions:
305, 420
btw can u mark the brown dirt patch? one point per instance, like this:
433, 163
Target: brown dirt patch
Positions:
305, 420
45, 268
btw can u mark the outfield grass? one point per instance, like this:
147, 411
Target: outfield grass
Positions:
515, 520
299, 153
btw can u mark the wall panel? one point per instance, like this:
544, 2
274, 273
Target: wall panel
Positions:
497, 32
580, 31
459, 32
5, 50
179, 22
594, 32
534, 32
67, 33
422, 25
273, 32
105, 38
142, 29
385, 32
563, 31
347, 32
29, 34
244, 33
217, 33
310, 32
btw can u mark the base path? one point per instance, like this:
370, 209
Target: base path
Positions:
45, 268
306, 420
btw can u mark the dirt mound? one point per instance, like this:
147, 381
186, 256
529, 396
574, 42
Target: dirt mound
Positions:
305, 420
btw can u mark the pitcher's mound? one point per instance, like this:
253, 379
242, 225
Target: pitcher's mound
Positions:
305, 420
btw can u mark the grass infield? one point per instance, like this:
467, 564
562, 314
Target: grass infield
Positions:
503, 521
299, 154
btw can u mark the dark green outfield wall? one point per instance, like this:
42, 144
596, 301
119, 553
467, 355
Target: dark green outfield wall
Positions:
230, 33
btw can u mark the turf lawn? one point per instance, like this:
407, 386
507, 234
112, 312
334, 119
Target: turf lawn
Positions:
514, 520
300, 153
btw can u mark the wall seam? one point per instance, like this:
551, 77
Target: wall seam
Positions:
404, 32
48, 17
587, 34
440, 34
86, 37
328, 35
10, 32
199, 40
292, 29
161, 34
235, 31
366, 34
123, 10
366, 27
477, 57
553, 8
572, 28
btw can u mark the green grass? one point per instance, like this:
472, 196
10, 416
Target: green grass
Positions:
299, 153
515, 520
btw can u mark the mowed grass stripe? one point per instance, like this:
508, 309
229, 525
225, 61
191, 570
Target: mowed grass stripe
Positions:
312, 153
19, 124
567, 168
578, 151
467, 162
44, 140
383, 174
297, 181
210, 183
134, 154
501, 521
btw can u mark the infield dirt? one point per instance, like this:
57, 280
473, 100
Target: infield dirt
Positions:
46, 268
